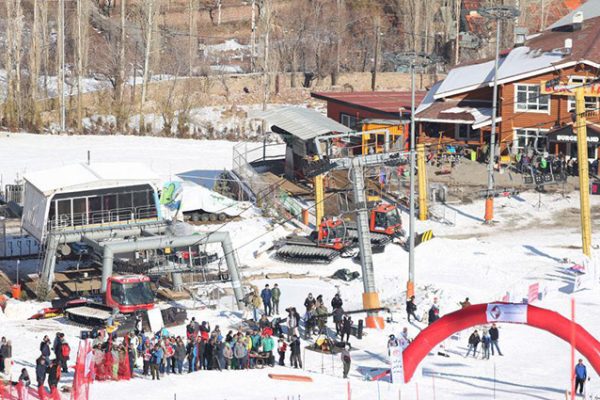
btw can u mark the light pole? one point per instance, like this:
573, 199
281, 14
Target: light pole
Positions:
413, 60
498, 13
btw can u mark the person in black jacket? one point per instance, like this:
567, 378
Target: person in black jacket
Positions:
474, 340
411, 309
310, 302
53, 375
295, 359
346, 328
45, 349
40, 370
434, 312
336, 302
495, 335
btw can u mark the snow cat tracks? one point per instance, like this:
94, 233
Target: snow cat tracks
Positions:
306, 254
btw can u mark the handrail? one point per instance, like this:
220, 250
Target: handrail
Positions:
122, 215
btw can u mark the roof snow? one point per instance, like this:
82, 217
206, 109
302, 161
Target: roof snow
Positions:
519, 61
78, 177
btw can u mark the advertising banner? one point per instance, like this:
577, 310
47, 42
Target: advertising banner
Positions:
397, 364
533, 293
516, 313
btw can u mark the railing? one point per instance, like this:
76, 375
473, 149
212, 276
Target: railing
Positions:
101, 218
267, 194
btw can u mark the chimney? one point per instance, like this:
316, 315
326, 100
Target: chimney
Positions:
569, 45
520, 36
577, 21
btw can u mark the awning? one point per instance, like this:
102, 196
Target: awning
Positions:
565, 134
476, 114
303, 123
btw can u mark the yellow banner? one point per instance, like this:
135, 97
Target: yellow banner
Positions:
557, 88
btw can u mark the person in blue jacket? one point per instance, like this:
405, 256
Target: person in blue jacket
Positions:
266, 298
580, 376
155, 361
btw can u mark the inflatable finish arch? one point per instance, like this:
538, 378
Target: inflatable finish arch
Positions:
480, 314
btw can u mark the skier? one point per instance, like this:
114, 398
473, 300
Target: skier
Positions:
494, 336
411, 308
473, 343
266, 296
275, 296
580, 376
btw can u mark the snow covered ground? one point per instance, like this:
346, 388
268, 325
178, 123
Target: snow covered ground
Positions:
528, 244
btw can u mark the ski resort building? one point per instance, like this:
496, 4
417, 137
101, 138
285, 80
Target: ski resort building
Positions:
459, 108
81, 196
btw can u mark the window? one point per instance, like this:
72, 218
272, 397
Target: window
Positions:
464, 132
528, 98
530, 138
348, 120
591, 103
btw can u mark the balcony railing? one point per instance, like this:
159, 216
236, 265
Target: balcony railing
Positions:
118, 216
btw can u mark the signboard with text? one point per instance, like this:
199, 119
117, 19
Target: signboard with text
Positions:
556, 87
396, 364
515, 313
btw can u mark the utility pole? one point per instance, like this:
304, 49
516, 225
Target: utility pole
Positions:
376, 58
499, 13
413, 60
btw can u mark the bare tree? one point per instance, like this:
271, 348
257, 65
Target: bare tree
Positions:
150, 11
34, 69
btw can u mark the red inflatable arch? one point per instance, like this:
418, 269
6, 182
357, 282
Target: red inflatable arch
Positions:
481, 314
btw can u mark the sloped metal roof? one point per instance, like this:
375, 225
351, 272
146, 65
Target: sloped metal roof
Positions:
590, 9
78, 177
302, 123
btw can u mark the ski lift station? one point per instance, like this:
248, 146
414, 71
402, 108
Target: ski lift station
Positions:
79, 196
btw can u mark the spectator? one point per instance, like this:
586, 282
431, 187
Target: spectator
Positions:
45, 348
411, 309
155, 361
256, 303
275, 296
180, 354
473, 343
434, 312
346, 327
485, 344
336, 302
580, 376
494, 336
346, 360
281, 349
266, 296
295, 359
268, 344
292, 323
54, 376
465, 304
40, 371
23, 384
309, 302
338, 314
240, 352
227, 355
6, 352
